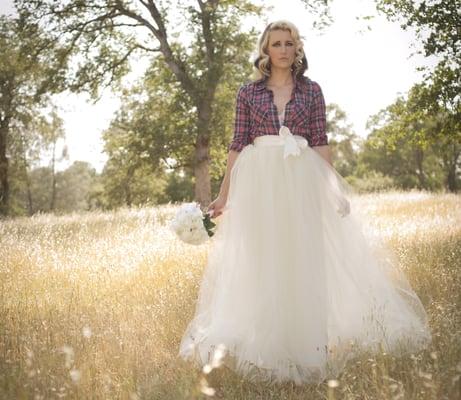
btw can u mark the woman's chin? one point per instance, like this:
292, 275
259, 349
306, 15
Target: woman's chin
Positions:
282, 66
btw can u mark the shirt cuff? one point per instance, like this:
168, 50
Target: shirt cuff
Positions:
320, 141
237, 146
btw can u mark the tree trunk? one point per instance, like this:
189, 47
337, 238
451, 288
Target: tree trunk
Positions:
30, 204
4, 185
202, 173
127, 186
202, 152
419, 156
451, 179
451, 169
53, 177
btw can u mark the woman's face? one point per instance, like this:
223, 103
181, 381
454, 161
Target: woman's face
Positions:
281, 49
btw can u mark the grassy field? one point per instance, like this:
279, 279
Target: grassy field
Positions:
93, 306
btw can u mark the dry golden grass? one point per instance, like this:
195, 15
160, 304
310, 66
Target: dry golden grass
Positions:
93, 306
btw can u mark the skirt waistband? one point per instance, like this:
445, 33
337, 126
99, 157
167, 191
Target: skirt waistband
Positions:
274, 140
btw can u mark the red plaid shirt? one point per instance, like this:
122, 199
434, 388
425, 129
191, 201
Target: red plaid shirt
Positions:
256, 113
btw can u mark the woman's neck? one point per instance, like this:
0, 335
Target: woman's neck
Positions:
280, 77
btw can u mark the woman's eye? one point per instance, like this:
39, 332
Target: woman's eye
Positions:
276, 44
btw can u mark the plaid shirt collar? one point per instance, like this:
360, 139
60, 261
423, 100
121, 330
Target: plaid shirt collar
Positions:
299, 89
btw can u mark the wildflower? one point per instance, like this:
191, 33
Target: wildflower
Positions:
333, 383
75, 375
69, 352
86, 332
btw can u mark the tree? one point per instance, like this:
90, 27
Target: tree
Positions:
431, 118
50, 132
29, 72
343, 141
75, 187
437, 25
104, 33
424, 142
448, 148
128, 178
28, 146
41, 179
24, 144
153, 127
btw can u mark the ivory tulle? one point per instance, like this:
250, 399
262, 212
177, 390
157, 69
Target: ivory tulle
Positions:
292, 290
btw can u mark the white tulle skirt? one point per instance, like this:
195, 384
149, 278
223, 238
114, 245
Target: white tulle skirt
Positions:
292, 289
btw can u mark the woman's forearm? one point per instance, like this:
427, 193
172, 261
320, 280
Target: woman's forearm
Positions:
325, 153
231, 157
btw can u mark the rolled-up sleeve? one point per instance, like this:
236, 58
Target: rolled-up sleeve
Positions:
242, 122
317, 118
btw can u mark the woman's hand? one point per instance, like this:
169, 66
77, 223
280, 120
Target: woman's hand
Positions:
217, 207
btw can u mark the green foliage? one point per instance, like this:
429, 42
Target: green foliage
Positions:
371, 181
126, 184
321, 10
437, 25
180, 114
41, 179
425, 128
343, 142
74, 187
415, 146
180, 187
156, 128
29, 144
100, 38
82, 27
75, 190
30, 70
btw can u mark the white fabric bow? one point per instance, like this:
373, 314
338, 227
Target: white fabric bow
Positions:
293, 144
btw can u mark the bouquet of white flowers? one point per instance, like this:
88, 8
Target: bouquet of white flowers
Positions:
191, 225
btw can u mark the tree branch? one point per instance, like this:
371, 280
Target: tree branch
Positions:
176, 66
156, 50
206, 28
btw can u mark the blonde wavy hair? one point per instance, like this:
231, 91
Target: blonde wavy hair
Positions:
262, 62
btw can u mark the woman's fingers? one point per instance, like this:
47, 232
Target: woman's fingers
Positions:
216, 214
215, 210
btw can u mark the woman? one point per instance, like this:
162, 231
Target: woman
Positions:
293, 288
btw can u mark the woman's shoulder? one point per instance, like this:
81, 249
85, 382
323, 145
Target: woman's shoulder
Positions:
252, 85
310, 83
249, 91
310, 88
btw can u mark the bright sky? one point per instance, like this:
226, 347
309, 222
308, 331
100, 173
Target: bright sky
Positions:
362, 71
